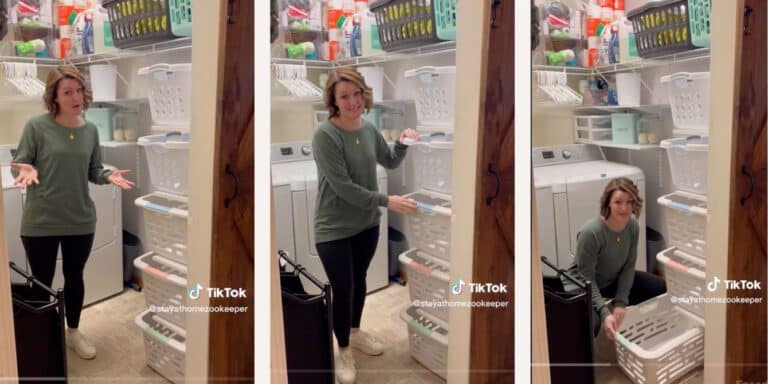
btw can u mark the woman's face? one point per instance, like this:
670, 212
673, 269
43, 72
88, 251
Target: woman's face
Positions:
349, 100
70, 97
621, 205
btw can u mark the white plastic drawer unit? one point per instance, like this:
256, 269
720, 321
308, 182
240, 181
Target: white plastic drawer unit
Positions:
592, 128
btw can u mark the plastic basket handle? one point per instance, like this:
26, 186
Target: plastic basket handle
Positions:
682, 207
160, 67
434, 208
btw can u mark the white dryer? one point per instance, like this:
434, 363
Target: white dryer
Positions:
103, 274
569, 181
294, 192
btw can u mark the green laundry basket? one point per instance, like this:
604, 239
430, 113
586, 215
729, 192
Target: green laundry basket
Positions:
445, 19
140, 22
699, 11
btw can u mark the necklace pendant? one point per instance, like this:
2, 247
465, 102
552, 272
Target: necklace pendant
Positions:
71, 136
357, 140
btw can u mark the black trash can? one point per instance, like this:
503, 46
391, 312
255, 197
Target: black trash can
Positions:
397, 245
654, 244
308, 329
38, 317
131, 250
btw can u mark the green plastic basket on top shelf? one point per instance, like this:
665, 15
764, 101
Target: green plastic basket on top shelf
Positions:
671, 26
445, 19
140, 22
406, 24
700, 11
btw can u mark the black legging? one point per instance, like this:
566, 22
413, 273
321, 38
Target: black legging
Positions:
645, 286
346, 263
41, 253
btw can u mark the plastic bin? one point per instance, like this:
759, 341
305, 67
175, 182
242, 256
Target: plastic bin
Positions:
168, 161
700, 11
170, 94
591, 128
686, 221
405, 23
659, 342
428, 339
445, 19
689, 100
661, 27
433, 165
688, 162
435, 94
165, 346
138, 23
428, 281
165, 285
685, 275
429, 228
165, 224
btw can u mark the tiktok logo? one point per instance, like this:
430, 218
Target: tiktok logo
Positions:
194, 293
712, 285
457, 287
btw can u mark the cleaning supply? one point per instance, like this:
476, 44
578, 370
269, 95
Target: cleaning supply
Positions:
357, 46
88, 47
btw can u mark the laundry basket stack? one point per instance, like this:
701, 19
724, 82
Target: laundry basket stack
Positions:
662, 339
165, 215
427, 264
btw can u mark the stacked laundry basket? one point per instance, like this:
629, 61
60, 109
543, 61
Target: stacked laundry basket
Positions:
663, 339
165, 215
427, 264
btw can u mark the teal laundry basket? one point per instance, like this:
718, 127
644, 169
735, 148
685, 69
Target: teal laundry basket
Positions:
699, 11
445, 19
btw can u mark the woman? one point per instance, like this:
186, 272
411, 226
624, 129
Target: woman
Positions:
347, 149
58, 155
606, 250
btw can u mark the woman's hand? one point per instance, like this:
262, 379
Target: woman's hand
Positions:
401, 204
408, 134
117, 179
27, 175
609, 326
618, 313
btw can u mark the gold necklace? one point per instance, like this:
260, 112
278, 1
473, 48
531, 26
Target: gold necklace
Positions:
71, 136
357, 140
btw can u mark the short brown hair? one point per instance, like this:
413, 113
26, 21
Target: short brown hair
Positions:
344, 74
620, 184
52, 87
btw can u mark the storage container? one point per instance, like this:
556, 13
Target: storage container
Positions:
136, 23
170, 94
102, 118
165, 285
428, 281
168, 161
435, 94
689, 100
688, 162
445, 19
165, 224
428, 339
686, 221
685, 276
165, 346
664, 27
624, 128
592, 128
433, 164
429, 228
406, 23
659, 342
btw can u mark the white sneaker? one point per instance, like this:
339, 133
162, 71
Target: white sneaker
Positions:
345, 367
80, 344
366, 343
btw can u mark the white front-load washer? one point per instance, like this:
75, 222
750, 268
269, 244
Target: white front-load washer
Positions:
569, 181
294, 193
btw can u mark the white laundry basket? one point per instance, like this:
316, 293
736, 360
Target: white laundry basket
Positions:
686, 221
659, 342
165, 346
688, 162
168, 161
165, 224
428, 281
689, 100
170, 94
685, 275
165, 285
435, 95
429, 228
433, 164
428, 339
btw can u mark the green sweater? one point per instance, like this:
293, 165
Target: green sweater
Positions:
60, 204
347, 191
605, 257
